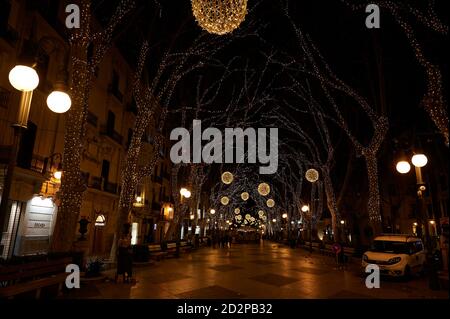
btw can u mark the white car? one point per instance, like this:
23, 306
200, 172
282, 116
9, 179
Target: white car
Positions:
396, 255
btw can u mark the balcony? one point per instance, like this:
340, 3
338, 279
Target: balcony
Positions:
100, 184
92, 119
112, 134
114, 90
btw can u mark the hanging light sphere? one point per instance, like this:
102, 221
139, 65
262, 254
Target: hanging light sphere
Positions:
261, 213
305, 208
245, 196
403, 167
227, 178
312, 175
419, 160
23, 78
263, 189
219, 16
285, 216
237, 211
59, 102
270, 203
224, 200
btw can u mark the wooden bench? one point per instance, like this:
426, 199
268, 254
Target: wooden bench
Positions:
172, 249
156, 252
33, 278
185, 247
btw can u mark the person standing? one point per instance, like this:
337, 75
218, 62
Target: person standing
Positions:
124, 259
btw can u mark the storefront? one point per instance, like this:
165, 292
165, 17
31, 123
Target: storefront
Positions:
29, 227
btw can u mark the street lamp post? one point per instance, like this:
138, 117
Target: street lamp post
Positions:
25, 79
403, 167
307, 209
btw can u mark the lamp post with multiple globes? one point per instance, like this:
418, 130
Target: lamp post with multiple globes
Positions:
403, 167
25, 79
419, 160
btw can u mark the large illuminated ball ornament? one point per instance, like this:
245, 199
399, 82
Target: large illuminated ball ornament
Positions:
270, 203
237, 211
248, 216
263, 189
224, 200
245, 196
312, 175
219, 16
227, 178
59, 102
23, 78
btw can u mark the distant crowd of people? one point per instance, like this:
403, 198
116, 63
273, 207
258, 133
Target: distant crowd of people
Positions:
221, 239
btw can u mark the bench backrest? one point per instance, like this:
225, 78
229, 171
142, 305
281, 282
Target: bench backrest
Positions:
34, 269
154, 248
171, 245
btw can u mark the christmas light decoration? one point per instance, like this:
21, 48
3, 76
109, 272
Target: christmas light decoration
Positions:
225, 200
263, 189
245, 196
237, 211
227, 178
312, 175
270, 203
219, 16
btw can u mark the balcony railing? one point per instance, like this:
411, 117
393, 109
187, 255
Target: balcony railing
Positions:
92, 119
112, 134
115, 91
100, 184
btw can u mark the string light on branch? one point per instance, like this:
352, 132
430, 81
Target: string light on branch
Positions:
219, 16
225, 200
245, 196
263, 189
227, 178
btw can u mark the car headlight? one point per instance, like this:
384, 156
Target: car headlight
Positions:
365, 258
394, 260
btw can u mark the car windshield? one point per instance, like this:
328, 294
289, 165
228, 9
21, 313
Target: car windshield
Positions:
394, 247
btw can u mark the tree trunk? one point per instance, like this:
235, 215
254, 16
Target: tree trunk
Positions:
373, 204
72, 186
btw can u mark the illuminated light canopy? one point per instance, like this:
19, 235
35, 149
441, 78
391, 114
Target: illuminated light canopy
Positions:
219, 16
245, 196
270, 203
59, 102
224, 200
419, 160
263, 189
227, 178
23, 78
312, 175
403, 167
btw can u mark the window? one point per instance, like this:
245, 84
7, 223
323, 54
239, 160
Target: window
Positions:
25, 155
111, 121
105, 170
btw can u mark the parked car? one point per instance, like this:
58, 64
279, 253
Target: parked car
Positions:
396, 255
